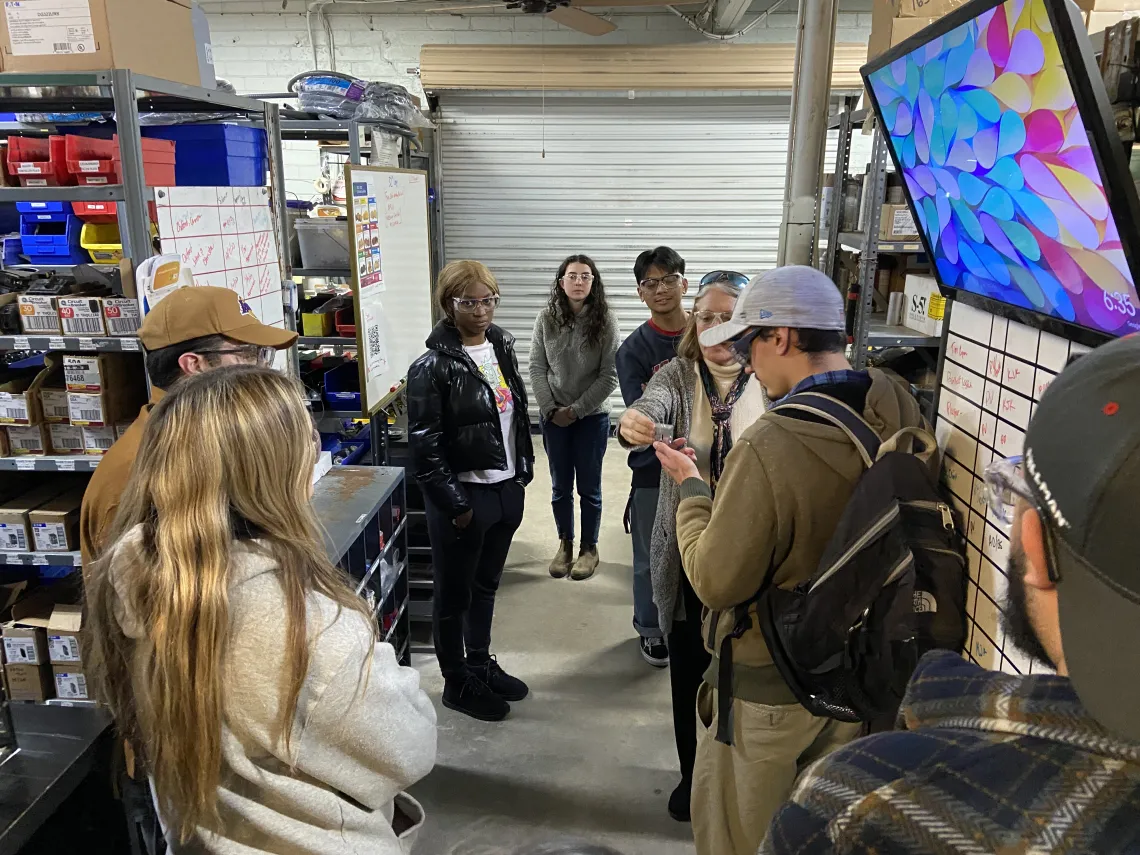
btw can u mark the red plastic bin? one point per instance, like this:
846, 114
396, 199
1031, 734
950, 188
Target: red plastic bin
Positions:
345, 322
39, 162
105, 212
95, 161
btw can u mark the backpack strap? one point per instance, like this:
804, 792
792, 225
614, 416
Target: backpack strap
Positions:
836, 412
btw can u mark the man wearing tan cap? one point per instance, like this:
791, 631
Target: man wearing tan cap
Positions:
193, 329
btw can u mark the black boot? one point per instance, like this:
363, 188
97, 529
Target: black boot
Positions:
502, 684
473, 697
679, 801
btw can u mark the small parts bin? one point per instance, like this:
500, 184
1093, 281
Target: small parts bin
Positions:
216, 155
39, 162
102, 241
342, 386
54, 242
94, 161
42, 212
324, 242
345, 321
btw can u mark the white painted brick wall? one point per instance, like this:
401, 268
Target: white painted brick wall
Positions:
259, 46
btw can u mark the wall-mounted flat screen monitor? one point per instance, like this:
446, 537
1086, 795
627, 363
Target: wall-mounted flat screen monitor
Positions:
997, 118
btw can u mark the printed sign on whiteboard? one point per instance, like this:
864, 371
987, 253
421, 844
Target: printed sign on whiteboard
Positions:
375, 339
366, 222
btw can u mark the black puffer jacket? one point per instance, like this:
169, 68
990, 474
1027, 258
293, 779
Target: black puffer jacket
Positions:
453, 420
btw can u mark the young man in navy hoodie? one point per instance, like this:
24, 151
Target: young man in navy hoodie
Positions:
661, 285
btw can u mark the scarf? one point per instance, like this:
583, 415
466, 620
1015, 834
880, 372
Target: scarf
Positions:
721, 415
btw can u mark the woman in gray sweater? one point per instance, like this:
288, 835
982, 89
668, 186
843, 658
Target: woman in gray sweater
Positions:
573, 373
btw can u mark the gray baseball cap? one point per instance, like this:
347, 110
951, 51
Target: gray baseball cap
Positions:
1082, 463
792, 296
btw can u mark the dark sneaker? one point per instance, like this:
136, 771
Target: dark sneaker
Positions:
654, 651
473, 697
501, 683
586, 564
679, 802
563, 558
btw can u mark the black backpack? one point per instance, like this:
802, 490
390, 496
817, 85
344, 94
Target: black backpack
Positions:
891, 584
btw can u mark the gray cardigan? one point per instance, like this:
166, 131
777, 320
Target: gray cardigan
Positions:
668, 399
567, 371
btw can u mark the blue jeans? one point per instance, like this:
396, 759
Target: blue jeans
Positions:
575, 453
642, 514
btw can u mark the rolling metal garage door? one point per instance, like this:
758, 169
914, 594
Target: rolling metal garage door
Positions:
703, 175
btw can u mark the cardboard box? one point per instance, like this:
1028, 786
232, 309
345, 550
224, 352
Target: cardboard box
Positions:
53, 403
66, 636
103, 409
154, 37
932, 9
39, 314
71, 683
55, 524
896, 222
101, 372
122, 427
882, 14
97, 440
25, 645
15, 532
924, 306
29, 440
81, 315
29, 682
903, 28
65, 439
1103, 19
121, 316
20, 402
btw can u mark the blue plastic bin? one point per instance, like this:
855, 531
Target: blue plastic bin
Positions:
55, 242
44, 212
342, 386
216, 155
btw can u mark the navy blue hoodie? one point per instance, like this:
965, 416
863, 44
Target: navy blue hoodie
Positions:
640, 356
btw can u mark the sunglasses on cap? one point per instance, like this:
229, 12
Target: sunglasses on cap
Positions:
729, 276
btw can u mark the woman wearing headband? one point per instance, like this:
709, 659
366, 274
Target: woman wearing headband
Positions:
707, 399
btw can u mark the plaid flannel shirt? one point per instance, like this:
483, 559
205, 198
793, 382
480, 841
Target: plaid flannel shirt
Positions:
838, 377
988, 763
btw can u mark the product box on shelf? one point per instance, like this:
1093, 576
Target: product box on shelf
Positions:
97, 440
106, 408
122, 427
71, 683
81, 315
29, 682
24, 644
66, 636
924, 305
897, 223
53, 401
39, 314
55, 524
154, 37
27, 440
101, 372
15, 532
121, 315
65, 438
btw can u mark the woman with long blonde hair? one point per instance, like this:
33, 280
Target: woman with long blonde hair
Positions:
234, 655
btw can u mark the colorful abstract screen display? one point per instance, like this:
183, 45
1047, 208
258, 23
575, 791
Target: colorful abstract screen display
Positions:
994, 153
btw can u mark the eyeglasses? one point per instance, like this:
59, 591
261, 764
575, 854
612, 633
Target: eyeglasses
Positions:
665, 283
711, 319
729, 276
741, 347
260, 355
470, 307
584, 278
1004, 484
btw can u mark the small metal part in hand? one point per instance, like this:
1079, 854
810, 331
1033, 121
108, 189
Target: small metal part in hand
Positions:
662, 432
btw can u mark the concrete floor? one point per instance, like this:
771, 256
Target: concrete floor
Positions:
590, 753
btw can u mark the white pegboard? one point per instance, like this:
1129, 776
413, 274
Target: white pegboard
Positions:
994, 373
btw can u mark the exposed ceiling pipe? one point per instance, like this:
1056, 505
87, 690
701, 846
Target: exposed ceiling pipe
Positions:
727, 37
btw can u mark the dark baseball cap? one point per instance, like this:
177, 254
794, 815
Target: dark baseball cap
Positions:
1082, 462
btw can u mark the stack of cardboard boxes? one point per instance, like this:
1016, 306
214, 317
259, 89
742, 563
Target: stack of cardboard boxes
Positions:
43, 652
43, 517
77, 404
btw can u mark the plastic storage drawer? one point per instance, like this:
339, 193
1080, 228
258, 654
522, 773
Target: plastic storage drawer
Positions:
43, 212
342, 386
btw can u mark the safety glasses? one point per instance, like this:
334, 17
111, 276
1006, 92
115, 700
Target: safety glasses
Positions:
741, 347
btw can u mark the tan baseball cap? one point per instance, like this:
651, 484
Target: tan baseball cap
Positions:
201, 310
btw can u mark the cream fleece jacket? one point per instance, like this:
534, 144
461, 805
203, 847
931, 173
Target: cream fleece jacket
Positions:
359, 738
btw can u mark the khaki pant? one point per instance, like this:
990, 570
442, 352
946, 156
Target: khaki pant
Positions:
738, 788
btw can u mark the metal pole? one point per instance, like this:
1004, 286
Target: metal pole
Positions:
134, 213
807, 136
869, 259
288, 292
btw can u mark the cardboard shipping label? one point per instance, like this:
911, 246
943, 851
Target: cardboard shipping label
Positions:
96, 440
86, 410
20, 651
66, 439
48, 27
122, 315
70, 687
13, 408
13, 538
81, 316
55, 405
50, 537
81, 374
63, 648
27, 440
38, 313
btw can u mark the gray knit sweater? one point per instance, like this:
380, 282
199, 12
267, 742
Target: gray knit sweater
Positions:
567, 371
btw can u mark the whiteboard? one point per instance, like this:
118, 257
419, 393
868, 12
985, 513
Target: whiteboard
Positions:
391, 274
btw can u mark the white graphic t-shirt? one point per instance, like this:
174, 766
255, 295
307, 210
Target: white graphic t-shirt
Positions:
484, 357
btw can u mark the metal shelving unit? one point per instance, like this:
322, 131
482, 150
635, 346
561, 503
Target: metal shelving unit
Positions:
82, 344
870, 329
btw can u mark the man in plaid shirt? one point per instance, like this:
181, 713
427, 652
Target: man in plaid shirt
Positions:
994, 763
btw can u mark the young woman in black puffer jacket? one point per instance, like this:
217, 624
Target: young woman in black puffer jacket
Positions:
472, 456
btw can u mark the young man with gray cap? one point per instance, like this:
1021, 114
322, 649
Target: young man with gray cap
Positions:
785, 485
992, 762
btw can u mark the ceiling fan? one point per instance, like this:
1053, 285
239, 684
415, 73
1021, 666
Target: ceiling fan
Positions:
569, 13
